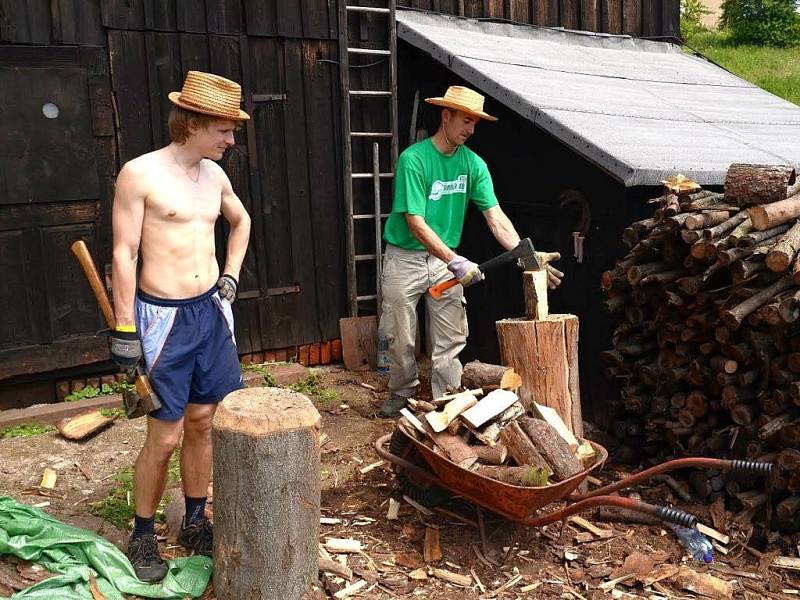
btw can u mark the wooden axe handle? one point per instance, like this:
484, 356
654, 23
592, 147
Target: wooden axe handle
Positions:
81, 252
440, 288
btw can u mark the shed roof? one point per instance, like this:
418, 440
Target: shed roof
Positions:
641, 110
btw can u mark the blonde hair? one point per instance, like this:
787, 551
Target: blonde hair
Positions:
181, 121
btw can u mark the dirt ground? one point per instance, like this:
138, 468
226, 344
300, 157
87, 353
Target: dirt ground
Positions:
557, 561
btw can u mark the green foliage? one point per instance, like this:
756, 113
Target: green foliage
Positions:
117, 387
762, 22
310, 386
692, 13
117, 506
25, 430
261, 369
776, 70
119, 413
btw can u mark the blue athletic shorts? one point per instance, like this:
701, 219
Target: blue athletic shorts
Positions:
189, 350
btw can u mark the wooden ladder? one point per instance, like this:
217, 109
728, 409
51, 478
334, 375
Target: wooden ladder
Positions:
348, 49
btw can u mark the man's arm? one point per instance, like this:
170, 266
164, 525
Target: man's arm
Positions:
127, 215
428, 238
239, 236
501, 227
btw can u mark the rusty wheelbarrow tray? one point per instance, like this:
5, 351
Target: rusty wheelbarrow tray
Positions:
520, 503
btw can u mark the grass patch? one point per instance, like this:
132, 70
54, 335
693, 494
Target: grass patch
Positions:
25, 430
777, 70
105, 389
321, 397
261, 370
117, 506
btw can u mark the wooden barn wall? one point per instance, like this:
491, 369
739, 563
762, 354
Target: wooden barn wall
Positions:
109, 64
530, 169
651, 18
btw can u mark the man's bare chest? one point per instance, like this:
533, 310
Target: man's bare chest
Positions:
182, 204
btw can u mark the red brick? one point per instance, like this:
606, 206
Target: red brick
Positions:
280, 355
288, 374
336, 350
93, 382
76, 385
302, 356
258, 357
269, 356
62, 390
107, 379
313, 355
325, 353
246, 359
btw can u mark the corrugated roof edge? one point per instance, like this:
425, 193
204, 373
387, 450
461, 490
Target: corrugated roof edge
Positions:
626, 174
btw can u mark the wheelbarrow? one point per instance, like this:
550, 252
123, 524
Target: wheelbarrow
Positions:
416, 462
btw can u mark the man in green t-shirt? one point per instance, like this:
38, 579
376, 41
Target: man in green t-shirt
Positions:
435, 180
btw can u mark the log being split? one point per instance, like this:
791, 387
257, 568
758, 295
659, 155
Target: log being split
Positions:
266, 494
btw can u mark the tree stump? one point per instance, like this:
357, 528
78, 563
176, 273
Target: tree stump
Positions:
266, 494
545, 354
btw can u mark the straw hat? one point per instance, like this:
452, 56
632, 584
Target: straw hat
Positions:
210, 95
464, 99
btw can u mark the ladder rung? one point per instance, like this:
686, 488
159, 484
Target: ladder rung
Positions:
369, 51
365, 298
370, 93
382, 134
361, 217
368, 9
370, 175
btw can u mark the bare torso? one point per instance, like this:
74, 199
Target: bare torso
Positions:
177, 249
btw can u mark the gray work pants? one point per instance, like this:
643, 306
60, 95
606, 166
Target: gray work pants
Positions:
406, 277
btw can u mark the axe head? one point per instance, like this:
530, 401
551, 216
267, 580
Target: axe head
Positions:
526, 255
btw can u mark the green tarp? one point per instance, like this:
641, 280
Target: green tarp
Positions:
75, 553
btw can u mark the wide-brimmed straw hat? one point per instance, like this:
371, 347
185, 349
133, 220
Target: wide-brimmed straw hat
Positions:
210, 95
462, 98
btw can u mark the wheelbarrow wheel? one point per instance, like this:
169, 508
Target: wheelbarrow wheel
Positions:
419, 490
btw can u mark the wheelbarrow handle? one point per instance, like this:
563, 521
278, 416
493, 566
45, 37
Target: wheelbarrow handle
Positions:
668, 514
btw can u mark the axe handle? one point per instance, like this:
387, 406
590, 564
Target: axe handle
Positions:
440, 288
81, 252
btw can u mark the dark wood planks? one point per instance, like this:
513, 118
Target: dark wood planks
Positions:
612, 16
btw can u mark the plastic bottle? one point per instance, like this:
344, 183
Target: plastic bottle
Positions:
696, 543
383, 355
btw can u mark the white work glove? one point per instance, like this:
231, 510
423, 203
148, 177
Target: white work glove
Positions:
466, 271
554, 276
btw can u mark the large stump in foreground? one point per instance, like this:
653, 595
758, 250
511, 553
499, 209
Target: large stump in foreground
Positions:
266, 495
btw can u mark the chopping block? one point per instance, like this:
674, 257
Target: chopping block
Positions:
543, 349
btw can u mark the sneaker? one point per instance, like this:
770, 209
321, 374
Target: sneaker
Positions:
145, 559
391, 407
198, 536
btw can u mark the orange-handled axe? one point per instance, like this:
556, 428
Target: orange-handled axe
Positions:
524, 254
144, 399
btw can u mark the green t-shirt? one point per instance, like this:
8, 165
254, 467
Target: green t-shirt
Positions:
437, 187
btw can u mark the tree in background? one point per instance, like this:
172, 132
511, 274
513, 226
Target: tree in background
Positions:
762, 22
692, 13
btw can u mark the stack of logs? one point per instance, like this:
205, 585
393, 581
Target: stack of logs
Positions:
707, 350
495, 436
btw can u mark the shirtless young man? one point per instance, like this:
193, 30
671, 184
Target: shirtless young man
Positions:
178, 317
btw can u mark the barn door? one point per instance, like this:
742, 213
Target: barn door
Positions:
53, 190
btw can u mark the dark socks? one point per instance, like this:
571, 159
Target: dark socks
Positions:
143, 526
195, 509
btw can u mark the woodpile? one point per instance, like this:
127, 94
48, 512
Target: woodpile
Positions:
493, 435
707, 347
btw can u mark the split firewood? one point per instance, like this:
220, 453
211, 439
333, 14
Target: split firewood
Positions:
490, 433
454, 447
331, 566
527, 476
83, 425
454, 578
521, 448
552, 446
343, 545
495, 403
439, 402
492, 455
439, 420
49, 477
703, 584
432, 551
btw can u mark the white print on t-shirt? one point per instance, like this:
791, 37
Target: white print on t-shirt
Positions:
440, 188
